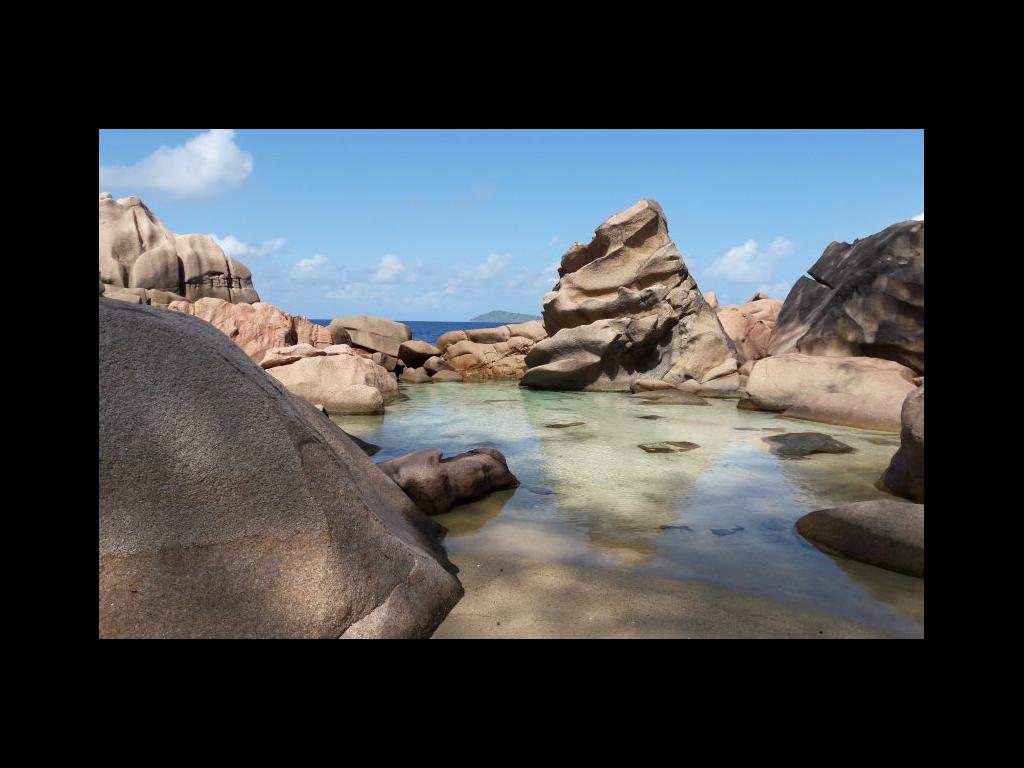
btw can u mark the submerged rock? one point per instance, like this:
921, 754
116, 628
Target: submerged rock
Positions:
886, 533
804, 444
865, 299
670, 397
669, 446
262, 519
436, 485
905, 475
625, 308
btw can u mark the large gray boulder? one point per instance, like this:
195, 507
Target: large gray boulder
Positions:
231, 508
905, 475
886, 533
138, 251
861, 300
436, 485
626, 307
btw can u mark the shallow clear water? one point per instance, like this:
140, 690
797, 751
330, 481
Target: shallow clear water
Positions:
723, 512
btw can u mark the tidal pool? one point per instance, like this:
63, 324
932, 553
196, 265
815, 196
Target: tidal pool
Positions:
595, 506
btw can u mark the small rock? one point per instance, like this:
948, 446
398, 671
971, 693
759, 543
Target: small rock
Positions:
804, 444
669, 446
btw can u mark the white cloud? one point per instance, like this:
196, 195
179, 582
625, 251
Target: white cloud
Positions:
236, 247
391, 270
554, 239
308, 269
200, 169
919, 217
777, 290
492, 266
749, 263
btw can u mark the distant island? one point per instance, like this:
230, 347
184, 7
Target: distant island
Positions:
497, 316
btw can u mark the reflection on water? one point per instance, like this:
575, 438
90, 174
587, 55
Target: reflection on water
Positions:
723, 512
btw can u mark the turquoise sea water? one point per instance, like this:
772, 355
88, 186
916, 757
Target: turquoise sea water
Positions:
723, 512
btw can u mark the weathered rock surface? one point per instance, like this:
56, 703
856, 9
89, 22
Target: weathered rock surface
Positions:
860, 392
414, 376
256, 327
889, 534
482, 354
373, 333
442, 376
436, 485
865, 299
750, 325
137, 251
286, 355
625, 308
387, 361
905, 475
436, 364
415, 353
339, 380
804, 444
230, 508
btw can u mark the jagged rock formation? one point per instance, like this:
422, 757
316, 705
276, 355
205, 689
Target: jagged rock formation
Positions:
625, 308
231, 508
750, 325
256, 328
905, 475
865, 299
138, 252
482, 354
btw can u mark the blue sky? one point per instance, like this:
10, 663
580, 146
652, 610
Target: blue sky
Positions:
447, 224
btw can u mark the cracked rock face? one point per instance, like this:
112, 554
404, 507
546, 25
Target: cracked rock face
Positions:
626, 308
231, 508
138, 252
865, 300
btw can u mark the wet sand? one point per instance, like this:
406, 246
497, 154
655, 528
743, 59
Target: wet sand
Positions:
512, 599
